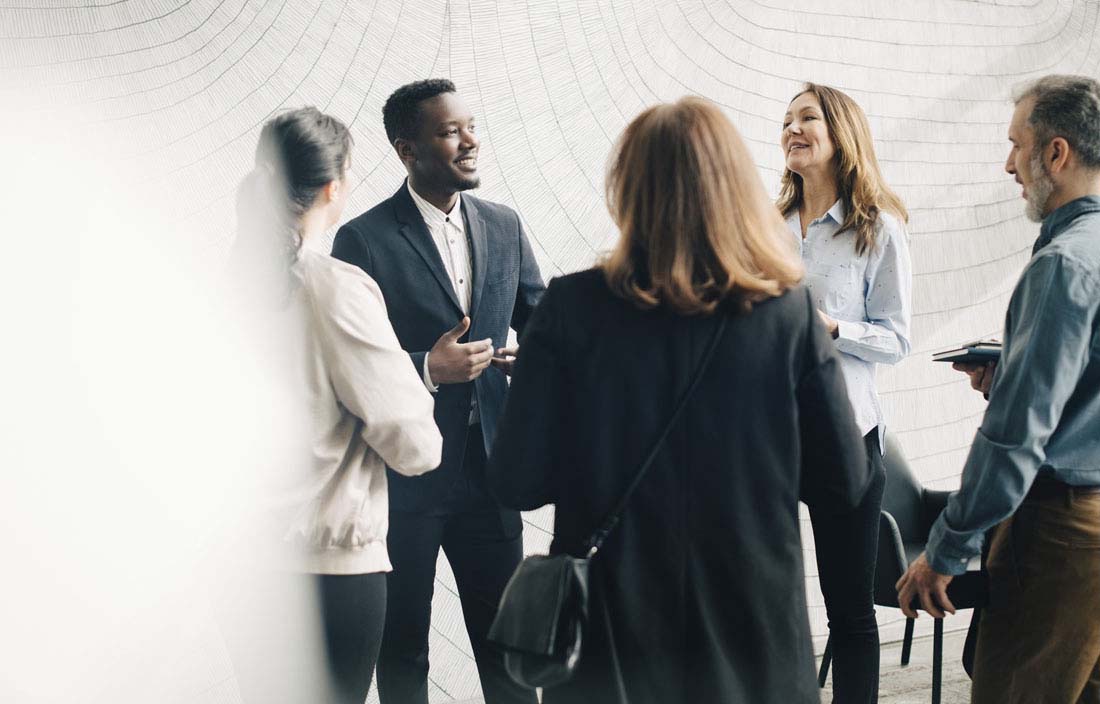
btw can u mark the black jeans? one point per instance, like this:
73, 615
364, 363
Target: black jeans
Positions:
353, 613
847, 549
484, 544
297, 638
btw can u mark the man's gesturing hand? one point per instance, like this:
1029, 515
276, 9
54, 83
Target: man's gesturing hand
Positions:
453, 362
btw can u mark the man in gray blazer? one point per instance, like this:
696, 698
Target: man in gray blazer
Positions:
456, 272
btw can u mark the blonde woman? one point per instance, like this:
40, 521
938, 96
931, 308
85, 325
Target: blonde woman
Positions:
697, 595
850, 229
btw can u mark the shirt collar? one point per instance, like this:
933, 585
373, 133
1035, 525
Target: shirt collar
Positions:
1059, 220
838, 211
433, 216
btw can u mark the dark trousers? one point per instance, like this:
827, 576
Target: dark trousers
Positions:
847, 549
483, 544
298, 638
1039, 638
353, 613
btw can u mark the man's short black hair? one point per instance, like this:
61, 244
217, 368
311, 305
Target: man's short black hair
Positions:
401, 113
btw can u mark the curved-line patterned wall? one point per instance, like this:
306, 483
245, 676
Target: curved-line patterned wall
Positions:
176, 89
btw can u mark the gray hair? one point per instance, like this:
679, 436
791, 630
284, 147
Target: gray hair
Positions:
1066, 107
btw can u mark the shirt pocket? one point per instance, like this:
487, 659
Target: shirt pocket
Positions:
836, 286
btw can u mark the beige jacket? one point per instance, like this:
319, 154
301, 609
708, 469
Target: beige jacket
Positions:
369, 410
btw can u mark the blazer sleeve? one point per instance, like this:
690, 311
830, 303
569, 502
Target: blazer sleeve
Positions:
531, 287
372, 377
520, 472
835, 474
350, 245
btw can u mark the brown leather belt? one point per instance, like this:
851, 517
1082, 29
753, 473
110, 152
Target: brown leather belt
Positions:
1047, 487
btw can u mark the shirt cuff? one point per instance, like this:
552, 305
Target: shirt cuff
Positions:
944, 558
428, 375
846, 334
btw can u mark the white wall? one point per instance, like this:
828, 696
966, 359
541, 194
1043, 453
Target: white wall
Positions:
177, 91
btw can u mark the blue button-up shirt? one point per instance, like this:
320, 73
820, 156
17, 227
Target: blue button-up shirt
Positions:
869, 295
1044, 405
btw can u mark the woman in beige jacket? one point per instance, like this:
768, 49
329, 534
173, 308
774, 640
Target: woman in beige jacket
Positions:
367, 406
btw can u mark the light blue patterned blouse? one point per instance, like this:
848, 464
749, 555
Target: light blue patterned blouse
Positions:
869, 295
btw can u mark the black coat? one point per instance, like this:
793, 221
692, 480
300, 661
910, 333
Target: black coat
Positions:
392, 244
702, 580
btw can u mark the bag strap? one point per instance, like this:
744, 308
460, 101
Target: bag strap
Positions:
596, 541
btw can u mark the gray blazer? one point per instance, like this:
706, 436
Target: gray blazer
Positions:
392, 244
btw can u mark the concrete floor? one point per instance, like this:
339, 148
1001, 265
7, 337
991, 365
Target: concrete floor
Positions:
913, 684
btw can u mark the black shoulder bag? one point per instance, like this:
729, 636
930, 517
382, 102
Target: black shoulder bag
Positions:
543, 612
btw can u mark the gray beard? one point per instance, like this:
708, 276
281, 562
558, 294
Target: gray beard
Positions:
1041, 187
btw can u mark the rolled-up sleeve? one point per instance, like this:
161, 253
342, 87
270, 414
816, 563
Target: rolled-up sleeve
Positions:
1047, 336
884, 335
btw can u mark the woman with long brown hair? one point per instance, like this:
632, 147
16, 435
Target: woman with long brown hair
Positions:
850, 229
697, 594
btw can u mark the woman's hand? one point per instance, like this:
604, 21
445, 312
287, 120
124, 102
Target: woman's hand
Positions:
831, 326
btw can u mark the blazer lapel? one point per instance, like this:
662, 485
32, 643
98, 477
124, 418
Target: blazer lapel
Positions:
479, 250
413, 228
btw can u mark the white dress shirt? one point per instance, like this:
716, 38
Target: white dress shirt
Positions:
869, 295
448, 231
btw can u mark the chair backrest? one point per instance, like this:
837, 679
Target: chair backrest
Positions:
903, 497
890, 563
908, 510
901, 521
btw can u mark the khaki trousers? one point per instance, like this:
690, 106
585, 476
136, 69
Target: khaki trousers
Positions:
1039, 638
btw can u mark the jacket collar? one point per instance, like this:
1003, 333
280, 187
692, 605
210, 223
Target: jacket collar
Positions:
415, 230
479, 248
412, 227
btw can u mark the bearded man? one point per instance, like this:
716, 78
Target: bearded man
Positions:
1033, 472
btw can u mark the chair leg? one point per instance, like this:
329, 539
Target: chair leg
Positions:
907, 642
826, 659
937, 660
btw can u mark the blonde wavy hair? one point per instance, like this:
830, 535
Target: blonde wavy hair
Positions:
859, 181
697, 227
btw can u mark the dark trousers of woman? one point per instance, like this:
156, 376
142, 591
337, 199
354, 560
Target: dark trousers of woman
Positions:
353, 613
847, 548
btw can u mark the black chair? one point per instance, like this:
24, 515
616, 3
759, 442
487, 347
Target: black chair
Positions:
908, 512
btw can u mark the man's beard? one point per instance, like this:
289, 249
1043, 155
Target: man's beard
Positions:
1042, 185
467, 183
